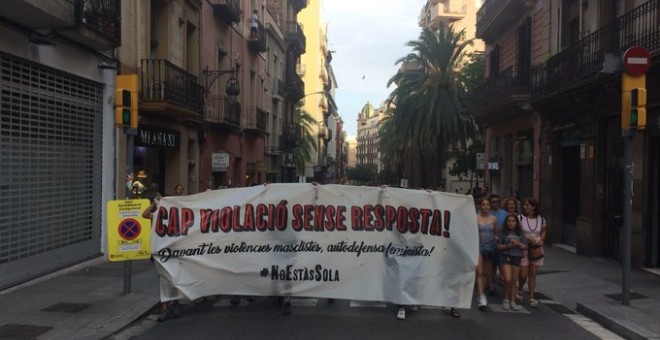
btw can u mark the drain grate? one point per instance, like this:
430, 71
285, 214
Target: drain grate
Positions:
66, 307
633, 296
22, 332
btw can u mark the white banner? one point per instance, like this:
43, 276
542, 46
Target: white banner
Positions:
329, 241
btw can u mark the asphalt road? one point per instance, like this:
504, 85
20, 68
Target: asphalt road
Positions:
343, 319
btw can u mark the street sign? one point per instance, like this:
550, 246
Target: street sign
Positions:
482, 161
128, 232
636, 60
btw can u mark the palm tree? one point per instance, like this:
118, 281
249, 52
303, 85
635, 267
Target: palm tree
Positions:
429, 104
306, 150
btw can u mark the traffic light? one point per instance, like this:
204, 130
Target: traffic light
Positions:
633, 102
638, 108
126, 100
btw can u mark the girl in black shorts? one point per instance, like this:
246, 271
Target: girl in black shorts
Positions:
511, 244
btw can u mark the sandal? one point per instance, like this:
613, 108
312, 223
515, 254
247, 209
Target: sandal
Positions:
454, 313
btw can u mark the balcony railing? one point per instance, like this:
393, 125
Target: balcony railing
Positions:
295, 86
292, 135
495, 15
227, 10
257, 39
639, 27
163, 81
257, 120
222, 110
101, 16
298, 5
295, 37
513, 80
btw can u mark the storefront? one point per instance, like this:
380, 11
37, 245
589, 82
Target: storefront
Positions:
166, 154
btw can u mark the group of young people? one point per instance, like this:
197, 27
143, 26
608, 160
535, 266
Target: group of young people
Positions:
511, 241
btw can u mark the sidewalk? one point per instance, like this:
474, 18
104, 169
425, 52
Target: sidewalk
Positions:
82, 302
87, 301
592, 287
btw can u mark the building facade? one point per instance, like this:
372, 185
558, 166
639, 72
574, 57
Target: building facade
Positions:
461, 14
368, 124
57, 167
162, 46
579, 102
317, 76
552, 111
502, 106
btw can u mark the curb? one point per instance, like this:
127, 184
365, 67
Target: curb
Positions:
621, 328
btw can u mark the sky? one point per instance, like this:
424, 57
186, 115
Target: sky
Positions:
367, 37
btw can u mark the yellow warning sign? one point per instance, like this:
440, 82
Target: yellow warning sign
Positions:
129, 235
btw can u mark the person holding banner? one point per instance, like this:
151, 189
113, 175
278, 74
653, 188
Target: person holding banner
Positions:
535, 228
167, 309
488, 232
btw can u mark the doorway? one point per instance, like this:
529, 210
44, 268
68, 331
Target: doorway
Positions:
613, 190
571, 193
654, 203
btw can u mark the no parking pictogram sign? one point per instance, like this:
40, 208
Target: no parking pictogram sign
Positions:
129, 229
128, 232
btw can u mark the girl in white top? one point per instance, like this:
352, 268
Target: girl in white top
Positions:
535, 229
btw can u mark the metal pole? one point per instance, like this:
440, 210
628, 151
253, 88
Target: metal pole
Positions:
130, 141
627, 214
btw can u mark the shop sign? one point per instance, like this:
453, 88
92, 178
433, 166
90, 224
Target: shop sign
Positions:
155, 136
220, 161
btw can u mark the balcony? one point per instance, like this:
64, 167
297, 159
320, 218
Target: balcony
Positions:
446, 12
301, 69
224, 112
257, 121
580, 64
495, 16
92, 23
292, 136
257, 40
298, 5
228, 11
273, 150
167, 88
502, 95
295, 37
295, 87
278, 89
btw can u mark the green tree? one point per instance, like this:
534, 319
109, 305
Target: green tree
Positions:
304, 152
363, 174
465, 163
429, 116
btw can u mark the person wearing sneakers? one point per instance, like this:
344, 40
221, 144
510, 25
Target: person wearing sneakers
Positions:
488, 231
511, 244
535, 228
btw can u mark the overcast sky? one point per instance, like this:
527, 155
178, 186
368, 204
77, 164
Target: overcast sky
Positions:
368, 36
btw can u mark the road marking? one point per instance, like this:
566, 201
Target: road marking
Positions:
593, 327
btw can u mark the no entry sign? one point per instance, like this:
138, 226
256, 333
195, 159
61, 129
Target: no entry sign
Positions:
636, 60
